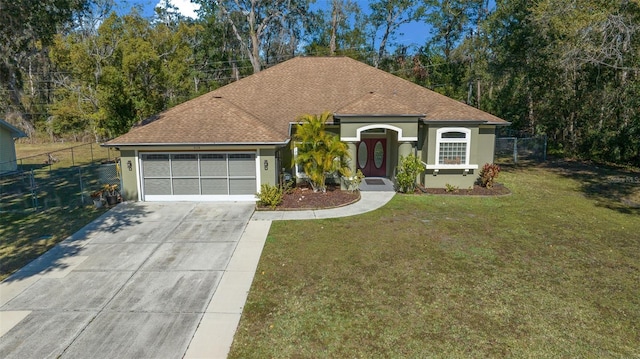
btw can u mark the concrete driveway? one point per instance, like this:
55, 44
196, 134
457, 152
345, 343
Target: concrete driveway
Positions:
145, 280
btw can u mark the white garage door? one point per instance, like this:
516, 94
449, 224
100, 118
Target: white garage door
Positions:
198, 176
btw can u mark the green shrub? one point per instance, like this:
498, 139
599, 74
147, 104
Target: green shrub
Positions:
270, 196
352, 182
488, 174
410, 167
450, 188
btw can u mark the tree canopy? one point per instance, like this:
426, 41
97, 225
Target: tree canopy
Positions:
76, 68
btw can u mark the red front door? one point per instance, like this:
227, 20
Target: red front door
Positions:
372, 157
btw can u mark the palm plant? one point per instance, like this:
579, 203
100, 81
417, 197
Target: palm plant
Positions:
320, 153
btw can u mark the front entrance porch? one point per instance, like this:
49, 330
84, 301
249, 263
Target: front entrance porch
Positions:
376, 148
377, 184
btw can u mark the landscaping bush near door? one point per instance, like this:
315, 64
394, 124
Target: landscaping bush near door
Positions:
408, 171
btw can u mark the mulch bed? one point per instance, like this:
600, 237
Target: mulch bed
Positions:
303, 197
498, 189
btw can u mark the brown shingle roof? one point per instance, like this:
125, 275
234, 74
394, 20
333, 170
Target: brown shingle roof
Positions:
375, 104
259, 108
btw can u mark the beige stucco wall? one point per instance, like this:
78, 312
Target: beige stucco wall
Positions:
129, 189
7, 152
270, 175
407, 125
486, 144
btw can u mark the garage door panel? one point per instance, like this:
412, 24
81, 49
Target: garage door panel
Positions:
215, 186
242, 186
186, 186
155, 165
242, 165
157, 186
213, 165
184, 165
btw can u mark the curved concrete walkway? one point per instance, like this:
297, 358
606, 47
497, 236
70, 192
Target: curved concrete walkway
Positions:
368, 202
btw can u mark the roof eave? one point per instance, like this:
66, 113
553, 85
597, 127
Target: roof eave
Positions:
463, 122
338, 115
15, 132
161, 144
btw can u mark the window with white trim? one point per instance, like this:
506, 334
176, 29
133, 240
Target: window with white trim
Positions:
452, 146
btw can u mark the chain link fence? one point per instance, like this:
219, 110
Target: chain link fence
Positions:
518, 150
85, 154
45, 188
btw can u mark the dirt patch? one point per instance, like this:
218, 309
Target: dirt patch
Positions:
498, 189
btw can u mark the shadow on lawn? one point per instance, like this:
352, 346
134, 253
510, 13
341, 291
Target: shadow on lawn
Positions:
611, 187
57, 258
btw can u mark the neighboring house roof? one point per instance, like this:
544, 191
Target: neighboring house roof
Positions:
259, 108
15, 132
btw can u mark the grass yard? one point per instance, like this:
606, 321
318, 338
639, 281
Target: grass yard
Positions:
551, 271
67, 154
26, 233
25, 236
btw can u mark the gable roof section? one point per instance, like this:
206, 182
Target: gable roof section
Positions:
209, 120
15, 132
259, 108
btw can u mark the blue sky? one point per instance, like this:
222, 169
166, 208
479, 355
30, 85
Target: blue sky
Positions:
414, 34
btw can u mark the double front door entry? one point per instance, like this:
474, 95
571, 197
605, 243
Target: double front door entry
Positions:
372, 154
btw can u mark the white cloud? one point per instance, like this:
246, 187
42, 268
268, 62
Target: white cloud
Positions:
185, 7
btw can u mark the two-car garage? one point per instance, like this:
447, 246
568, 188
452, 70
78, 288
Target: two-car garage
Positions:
198, 176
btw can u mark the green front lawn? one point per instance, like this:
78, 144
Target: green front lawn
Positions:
551, 271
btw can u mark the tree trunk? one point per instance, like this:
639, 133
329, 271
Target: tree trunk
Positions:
254, 54
383, 43
234, 69
334, 28
531, 118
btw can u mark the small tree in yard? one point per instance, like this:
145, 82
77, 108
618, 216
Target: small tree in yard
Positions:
320, 153
408, 170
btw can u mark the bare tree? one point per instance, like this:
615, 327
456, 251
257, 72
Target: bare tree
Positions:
251, 20
389, 15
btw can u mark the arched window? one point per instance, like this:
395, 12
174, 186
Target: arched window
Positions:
452, 146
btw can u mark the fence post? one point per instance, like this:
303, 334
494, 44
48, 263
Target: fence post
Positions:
515, 150
81, 185
34, 195
73, 161
544, 154
91, 148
